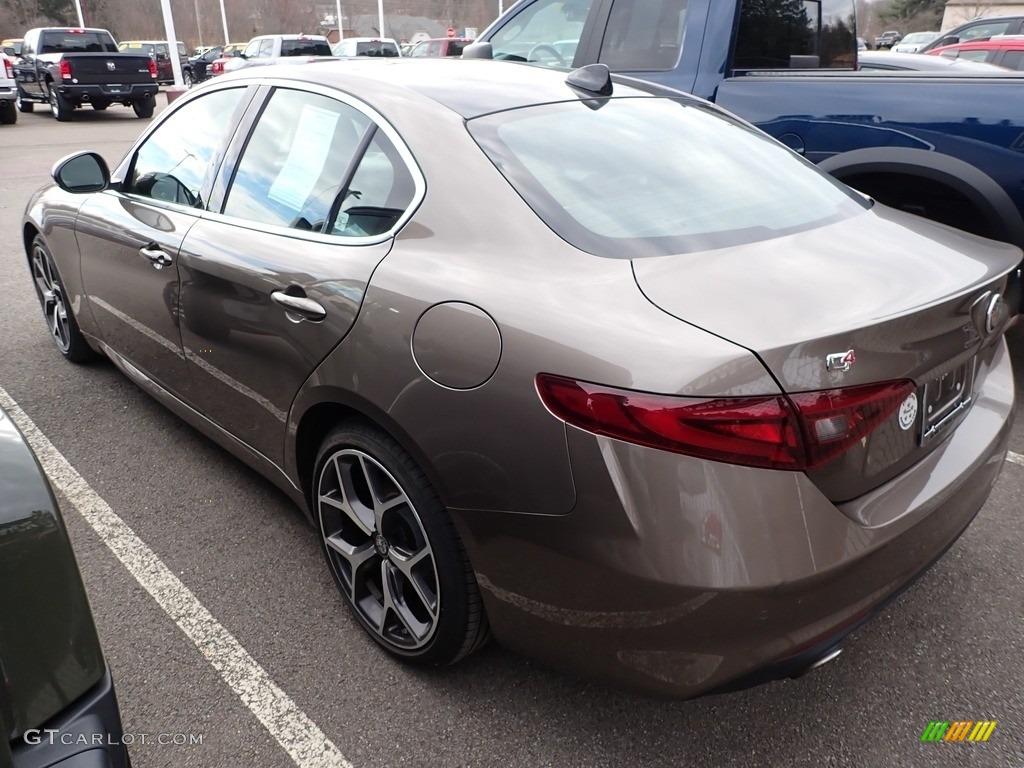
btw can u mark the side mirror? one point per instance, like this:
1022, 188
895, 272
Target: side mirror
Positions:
82, 172
478, 51
10, 51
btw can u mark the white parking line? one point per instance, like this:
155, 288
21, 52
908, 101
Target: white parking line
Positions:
1016, 458
300, 737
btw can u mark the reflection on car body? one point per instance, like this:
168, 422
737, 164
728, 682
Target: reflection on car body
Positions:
589, 391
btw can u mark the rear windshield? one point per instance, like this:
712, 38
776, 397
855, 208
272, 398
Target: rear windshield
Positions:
455, 47
76, 42
376, 48
305, 48
636, 177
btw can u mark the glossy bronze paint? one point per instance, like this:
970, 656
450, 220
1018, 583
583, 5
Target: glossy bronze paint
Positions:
652, 569
49, 651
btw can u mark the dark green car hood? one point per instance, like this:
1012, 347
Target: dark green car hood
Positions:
49, 651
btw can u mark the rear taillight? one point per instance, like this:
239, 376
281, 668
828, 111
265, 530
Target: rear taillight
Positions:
795, 432
217, 67
152, 68
8, 69
65, 69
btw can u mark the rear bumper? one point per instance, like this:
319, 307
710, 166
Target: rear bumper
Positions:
129, 92
681, 577
8, 94
86, 735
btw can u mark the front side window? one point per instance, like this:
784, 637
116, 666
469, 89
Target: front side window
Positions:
984, 31
797, 34
653, 176
177, 162
644, 35
546, 32
316, 164
252, 49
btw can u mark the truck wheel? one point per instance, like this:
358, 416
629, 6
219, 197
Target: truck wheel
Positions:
23, 104
59, 106
8, 114
143, 109
187, 78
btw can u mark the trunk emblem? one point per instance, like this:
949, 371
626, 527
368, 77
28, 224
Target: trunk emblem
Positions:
841, 361
996, 314
111, 66
908, 412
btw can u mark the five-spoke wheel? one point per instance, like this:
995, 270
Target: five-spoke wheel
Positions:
59, 319
393, 552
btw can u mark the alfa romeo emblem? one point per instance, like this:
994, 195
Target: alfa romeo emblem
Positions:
381, 545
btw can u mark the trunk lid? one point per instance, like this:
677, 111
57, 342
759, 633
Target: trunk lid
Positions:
878, 297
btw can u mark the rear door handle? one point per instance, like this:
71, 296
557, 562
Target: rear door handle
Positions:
157, 255
300, 305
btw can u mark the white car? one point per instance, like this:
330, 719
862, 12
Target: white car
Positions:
914, 42
8, 91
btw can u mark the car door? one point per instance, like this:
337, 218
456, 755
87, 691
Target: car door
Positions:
25, 68
130, 235
273, 283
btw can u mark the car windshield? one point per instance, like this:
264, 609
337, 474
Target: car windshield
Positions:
920, 37
633, 177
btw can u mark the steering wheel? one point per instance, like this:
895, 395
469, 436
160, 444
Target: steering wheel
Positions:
545, 48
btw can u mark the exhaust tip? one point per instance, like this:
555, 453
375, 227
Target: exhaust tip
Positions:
819, 662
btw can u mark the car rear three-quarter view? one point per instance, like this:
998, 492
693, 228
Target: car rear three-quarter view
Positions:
635, 389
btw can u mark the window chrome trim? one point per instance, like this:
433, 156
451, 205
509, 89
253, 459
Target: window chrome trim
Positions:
419, 181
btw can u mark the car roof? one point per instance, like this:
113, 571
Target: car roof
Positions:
1009, 41
468, 87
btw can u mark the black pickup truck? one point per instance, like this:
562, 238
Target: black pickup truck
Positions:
69, 68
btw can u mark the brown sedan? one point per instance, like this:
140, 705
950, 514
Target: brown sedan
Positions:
605, 372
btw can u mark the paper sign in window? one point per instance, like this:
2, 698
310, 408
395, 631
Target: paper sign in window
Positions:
306, 158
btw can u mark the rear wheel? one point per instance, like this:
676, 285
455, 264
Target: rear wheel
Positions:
393, 550
187, 78
59, 106
143, 109
8, 114
59, 318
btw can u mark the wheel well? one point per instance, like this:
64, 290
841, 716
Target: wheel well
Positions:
315, 424
28, 235
929, 198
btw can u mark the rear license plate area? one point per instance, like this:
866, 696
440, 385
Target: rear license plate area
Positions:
946, 399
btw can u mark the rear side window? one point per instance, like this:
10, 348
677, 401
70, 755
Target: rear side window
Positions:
316, 164
644, 35
783, 34
1013, 60
305, 48
652, 176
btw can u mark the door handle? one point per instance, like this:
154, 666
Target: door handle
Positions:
300, 305
157, 255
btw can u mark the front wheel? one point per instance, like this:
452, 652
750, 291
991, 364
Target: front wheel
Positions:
187, 79
144, 109
59, 106
60, 320
393, 551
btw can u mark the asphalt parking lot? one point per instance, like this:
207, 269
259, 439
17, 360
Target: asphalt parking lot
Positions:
234, 649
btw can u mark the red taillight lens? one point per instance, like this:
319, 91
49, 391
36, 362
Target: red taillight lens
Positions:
8, 69
65, 69
152, 68
797, 432
217, 67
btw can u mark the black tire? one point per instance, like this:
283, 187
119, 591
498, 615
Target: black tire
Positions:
144, 109
24, 105
59, 106
187, 78
60, 320
394, 553
8, 114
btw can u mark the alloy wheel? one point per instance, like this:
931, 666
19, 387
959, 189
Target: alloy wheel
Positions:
51, 295
379, 550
